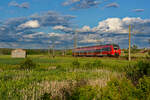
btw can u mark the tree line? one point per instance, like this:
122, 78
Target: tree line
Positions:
7, 51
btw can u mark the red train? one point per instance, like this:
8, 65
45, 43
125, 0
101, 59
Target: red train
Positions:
99, 50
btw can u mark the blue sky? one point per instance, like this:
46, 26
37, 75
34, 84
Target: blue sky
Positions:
39, 23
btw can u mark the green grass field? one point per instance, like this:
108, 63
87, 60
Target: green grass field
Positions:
53, 74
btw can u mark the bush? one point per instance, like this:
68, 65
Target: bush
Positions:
46, 96
126, 56
147, 57
84, 93
125, 50
76, 64
81, 91
135, 72
119, 90
144, 88
144, 68
132, 73
60, 68
27, 64
115, 90
149, 52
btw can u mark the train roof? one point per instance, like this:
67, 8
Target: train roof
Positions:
99, 45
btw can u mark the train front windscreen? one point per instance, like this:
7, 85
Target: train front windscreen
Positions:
116, 47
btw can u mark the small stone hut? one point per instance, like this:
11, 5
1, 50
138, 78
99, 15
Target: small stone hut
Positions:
18, 53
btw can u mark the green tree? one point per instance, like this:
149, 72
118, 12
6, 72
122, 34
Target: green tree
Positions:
134, 47
27, 64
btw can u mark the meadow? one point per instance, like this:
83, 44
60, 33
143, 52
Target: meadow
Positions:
60, 78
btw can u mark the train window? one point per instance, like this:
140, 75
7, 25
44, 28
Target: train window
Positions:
100, 50
97, 50
91, 51
108, 49
104, 49
82, 51
87, 51
116, 48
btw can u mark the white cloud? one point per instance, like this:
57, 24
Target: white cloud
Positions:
63, 29
128, 20
117, 25
138, 10
81, 4
70, 2
30, 24
61, 36
54, 34
90, 38
34, 35
111, 25
89, 41
15, 4
114, 5
84, 29
60, 27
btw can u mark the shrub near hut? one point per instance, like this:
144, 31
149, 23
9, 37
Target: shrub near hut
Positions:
27, 64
